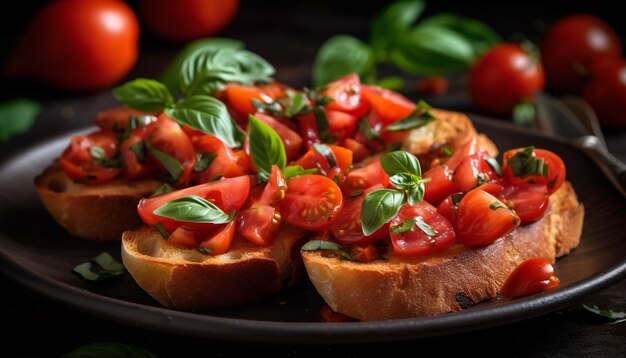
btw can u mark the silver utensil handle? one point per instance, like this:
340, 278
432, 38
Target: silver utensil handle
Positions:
612, 167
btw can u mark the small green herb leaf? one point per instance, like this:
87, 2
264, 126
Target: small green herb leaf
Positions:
17, 117
203, 160
96, 152
109, 268
525, 163
315, 245
109, 350
617, 316
327, 154
415, 194
203, 250
144, 95
340, 56
368, 132
171, 164
497, 205
162, 189
404, 180
296, 104
493, 163
192, 208
208, 115
322, 124
406, 226
400, 162
295, 170
427, 229
447, 151
161, 229
139, 149
421, 116
524, 114
266, 147
379, 206
480, 36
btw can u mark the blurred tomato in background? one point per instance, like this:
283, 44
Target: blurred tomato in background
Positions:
184, 20
77, 45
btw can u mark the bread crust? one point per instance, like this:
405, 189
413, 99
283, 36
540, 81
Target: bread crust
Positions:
186, 279
448, 281
95, 212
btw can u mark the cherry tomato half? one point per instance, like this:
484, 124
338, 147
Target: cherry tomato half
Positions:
345, 93
79, 164
521, 171
531, 276
312, 202
348, 230
504, 77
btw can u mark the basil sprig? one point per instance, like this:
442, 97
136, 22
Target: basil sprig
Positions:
108, 268
145, 95
195, 209
440, 44
380, 206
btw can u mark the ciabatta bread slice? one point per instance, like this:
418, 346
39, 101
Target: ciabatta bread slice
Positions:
95, 212
186, 279
448, 281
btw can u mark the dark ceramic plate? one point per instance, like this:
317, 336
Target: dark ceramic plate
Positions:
35, 251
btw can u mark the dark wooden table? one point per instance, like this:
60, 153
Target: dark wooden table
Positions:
32, 325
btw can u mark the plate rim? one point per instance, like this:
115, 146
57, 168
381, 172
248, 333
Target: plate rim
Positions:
252, 330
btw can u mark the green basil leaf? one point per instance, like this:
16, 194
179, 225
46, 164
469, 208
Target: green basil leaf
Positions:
421, 116
415, 194
204, 250
391, 23
171, 75
206, 71
17, 117
447, 151
400, 162
368, 132
144, 95
322, 124
497, 205
432, 50
379, 206
203, 160
208, 115
109, 350
97, 153
315, 245
296, 103
427, 229
162, 189
171, 164
342, 55
524, 114
266, 147
609, 313
493, 163
139, 149
109, 268
161, 229
404, 227
295, 170
192, 208
480, 36
404, 180
525, 163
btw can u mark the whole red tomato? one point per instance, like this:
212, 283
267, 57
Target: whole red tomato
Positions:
572, 45
504, 77
78, 44
606, 92
184, 20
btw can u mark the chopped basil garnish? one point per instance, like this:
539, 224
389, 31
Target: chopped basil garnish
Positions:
327, 154
608, 313
322, 124
203, 250
315, 245
418, 118
159, 227
525, 163
427, 229
171, 164
368, 132
295, 170
203, 160
139, 149
497, 205
404, 227
192, 208
108, 268
493, 163
98, 155
447, 151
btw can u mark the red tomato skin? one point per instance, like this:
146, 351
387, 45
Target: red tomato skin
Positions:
606, 92
529, 201
184, 20
345, 92
239, 97
341, 125
116, 119
78, 45
477, 224
347, 229
440, 185
291, 139
133, 168
416, 242
364, 252
467, 172
504, 77
167, 136
572, 45
365, 177
219, 242
77, 162
390, 106
226, 163
359, 150
531, 276
312, 202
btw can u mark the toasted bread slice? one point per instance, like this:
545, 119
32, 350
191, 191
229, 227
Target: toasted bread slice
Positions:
95, 212
448, 281
450, 129
189, 280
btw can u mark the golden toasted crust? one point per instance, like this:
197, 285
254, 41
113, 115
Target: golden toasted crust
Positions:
448, 281
96, 212
189, 280
450, 129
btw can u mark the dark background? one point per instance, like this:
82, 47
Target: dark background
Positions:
288, 34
